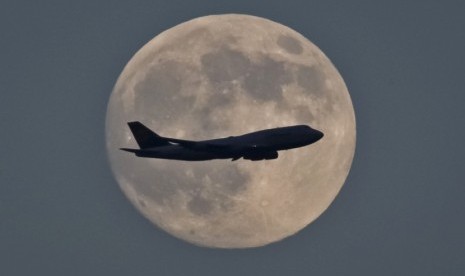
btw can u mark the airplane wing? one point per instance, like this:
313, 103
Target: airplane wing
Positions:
200, 145
216, 145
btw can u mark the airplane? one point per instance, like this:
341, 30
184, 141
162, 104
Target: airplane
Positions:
254, 146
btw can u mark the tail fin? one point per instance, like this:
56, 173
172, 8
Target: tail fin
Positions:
145, 137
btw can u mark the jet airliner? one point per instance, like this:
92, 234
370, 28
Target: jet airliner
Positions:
255, 146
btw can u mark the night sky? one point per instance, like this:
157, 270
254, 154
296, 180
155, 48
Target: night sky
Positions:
400, 212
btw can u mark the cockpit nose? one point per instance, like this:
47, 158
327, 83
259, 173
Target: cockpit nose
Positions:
310, 135
318, 135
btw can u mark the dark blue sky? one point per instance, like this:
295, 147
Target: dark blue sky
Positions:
399, 213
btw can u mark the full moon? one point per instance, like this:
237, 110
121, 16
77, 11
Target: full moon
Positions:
227, 75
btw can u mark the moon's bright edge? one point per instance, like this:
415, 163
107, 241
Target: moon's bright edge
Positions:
224, 75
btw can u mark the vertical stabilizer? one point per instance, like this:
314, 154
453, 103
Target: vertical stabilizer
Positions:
146, 138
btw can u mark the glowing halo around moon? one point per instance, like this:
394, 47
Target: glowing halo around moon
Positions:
223, 75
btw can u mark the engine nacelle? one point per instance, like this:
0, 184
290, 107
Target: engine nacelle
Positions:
268, 155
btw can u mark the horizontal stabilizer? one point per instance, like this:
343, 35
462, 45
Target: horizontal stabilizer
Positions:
130, 150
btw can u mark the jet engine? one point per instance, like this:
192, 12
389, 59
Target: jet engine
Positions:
256, 156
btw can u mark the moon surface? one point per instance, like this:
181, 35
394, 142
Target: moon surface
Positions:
226, 75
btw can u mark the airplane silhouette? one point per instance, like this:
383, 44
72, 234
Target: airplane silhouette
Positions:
259, 145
